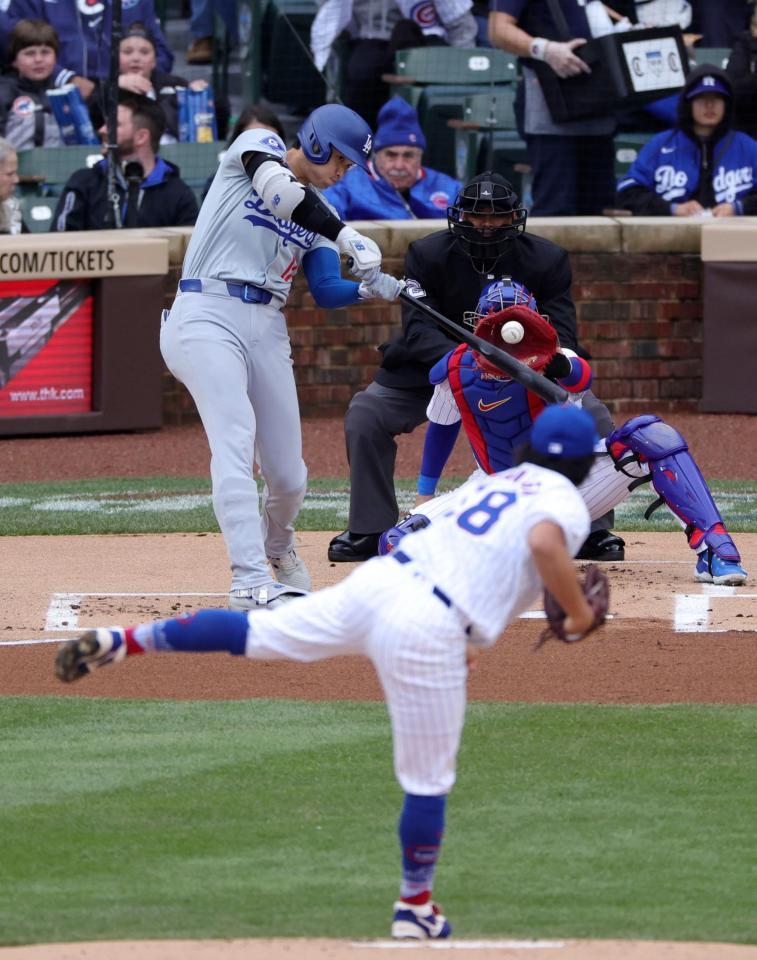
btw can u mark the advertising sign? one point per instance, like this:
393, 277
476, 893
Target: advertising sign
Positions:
46, 347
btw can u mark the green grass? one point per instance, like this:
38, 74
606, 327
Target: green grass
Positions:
177, 504
137, 819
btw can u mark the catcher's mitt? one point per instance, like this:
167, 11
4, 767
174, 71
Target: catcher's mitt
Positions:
536, 349
596, 588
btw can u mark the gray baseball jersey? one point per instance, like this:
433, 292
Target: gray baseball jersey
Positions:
223, 245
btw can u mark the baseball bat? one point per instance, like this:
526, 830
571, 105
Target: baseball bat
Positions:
548, 391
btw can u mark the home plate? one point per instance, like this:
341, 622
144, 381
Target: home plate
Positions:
460, 944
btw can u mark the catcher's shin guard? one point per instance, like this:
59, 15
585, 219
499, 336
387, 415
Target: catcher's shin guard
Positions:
389, 539
676, 478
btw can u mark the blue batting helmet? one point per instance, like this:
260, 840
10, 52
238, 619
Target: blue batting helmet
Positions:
334, 127
497, 296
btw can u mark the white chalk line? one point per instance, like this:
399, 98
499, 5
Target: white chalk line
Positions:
459, 944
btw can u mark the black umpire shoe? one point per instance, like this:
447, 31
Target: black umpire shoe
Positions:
349, 547
602, 545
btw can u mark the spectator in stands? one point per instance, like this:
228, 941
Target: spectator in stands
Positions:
397, 186
253, 117
700, 166
572, 161
720, 21
26, 119
376, 30
201, 27
83, 31
139, 73
153, 196
11, 220
742, 72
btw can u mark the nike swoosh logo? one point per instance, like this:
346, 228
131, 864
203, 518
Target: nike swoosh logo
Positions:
486, 407
667, 150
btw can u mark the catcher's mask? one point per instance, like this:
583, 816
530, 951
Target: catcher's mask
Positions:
497, 296
488, 194
536, 349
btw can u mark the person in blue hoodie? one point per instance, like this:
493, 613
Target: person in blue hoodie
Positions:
396, 186
83, 30
154, 195
700, 167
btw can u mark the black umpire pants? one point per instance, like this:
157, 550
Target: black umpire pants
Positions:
374, 418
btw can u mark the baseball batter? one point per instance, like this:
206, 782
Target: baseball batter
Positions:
498, 413
419, 614
226, 339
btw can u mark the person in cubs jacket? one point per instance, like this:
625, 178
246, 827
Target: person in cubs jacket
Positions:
700, 167
396, 185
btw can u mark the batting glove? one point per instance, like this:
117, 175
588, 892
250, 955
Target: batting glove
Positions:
363, 252
382, 286
560, 56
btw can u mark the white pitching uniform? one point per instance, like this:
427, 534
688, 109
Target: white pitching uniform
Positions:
462, 579
602, 490
235, 358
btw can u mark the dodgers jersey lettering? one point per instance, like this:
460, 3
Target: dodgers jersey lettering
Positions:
477, 550
237, 237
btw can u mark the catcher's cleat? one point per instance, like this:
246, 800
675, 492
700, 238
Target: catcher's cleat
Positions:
292, 571
268, 596
419, 922
711, 568
95, 648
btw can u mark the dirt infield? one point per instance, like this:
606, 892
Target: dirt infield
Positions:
669, 640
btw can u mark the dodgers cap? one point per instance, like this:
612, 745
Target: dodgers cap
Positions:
709, 83
564, 431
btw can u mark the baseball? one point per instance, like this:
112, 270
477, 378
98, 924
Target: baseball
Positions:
512, 331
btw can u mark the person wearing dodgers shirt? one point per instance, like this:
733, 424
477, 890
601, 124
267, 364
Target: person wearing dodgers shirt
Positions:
700, 167
396, 185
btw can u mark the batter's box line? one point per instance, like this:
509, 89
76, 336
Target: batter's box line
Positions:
459, 944
692, 610
63, 614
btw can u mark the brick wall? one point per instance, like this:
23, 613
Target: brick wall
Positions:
639, 314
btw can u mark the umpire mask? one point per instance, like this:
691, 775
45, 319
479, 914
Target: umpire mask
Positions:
486, 195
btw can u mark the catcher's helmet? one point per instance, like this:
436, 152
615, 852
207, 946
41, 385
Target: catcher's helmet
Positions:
487, 194
334, 127
498, 295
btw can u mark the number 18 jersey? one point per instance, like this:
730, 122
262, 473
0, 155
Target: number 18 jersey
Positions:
477, 552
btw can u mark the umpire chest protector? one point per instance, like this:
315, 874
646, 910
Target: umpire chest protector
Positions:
497, 414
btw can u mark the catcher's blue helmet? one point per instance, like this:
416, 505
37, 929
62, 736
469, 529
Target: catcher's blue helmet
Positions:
334, 127
498, 295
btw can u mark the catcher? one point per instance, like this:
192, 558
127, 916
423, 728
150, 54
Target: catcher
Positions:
419, 614
498, 414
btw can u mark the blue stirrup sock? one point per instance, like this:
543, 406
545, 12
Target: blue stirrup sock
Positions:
207, 631
421, 828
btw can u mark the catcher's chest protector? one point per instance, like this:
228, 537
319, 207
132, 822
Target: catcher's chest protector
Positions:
497, 414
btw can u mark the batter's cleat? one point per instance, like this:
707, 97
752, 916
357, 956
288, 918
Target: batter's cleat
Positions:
268, 596
419, 922
95, 648
711, 568
292, 571
602, 545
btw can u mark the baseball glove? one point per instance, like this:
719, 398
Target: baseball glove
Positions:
536, 349
596, 588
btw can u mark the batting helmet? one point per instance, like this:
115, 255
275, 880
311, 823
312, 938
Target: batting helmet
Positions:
498, 295
487, 194
334, 127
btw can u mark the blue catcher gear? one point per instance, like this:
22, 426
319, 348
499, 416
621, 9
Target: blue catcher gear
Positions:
682, 488
391, 537
497, 296
334, 127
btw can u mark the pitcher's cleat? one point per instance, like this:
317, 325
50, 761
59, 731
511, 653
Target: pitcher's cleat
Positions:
95, 648
711, 568
419, 922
